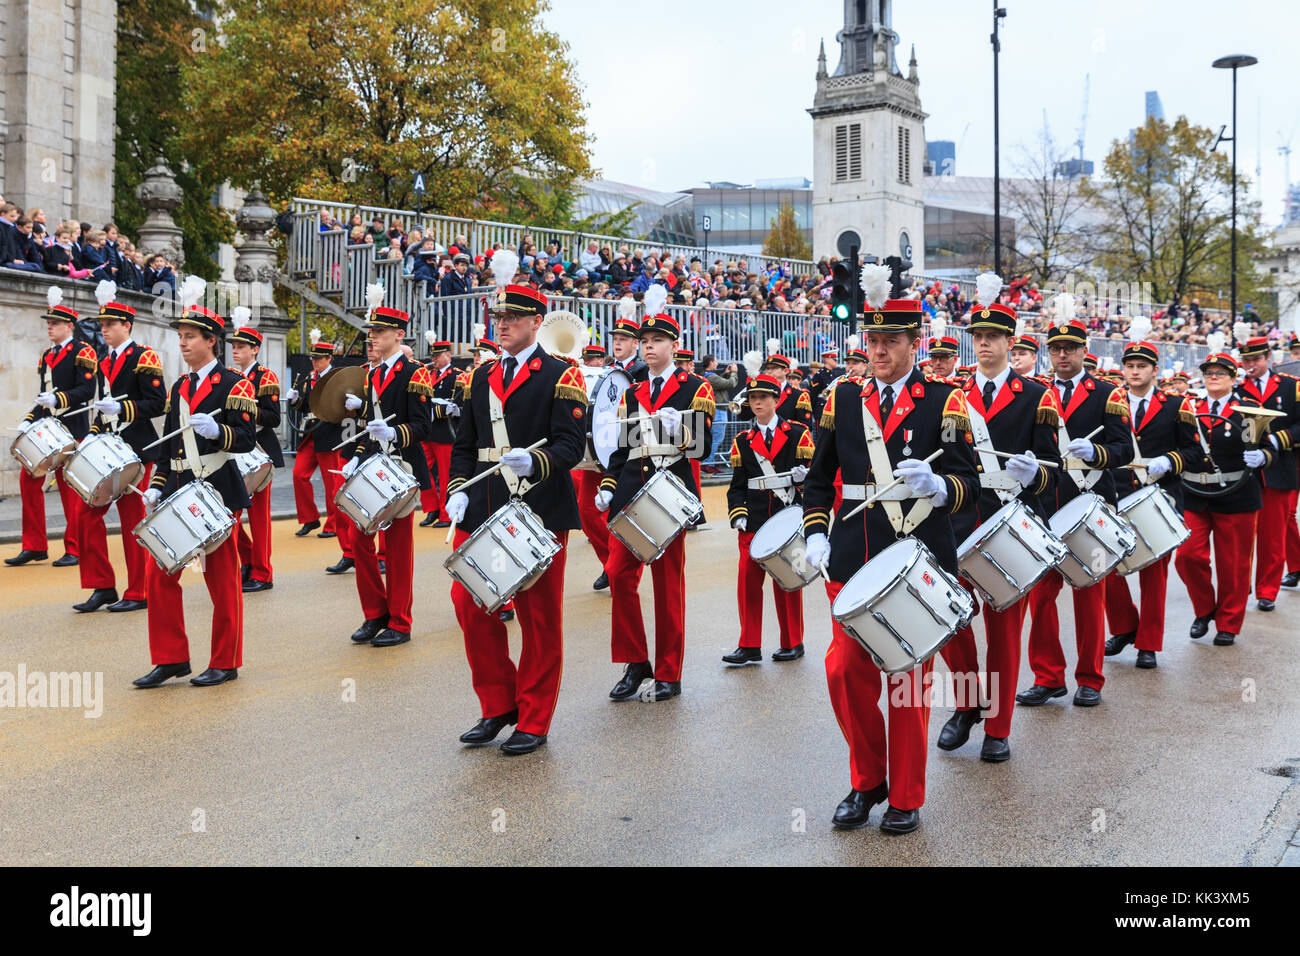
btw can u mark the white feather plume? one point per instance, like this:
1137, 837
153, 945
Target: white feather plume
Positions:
1179, 365
773, 346
938, 324
875, 284
1216, 340
54, 295
314, 336
504, 264
627, 307
988, 286
430, 336
654, 299
374, 296
1139, 327
1020, 327
852, 342
753, 362
240, 316
1064, 304
105, 292
1240, 332
478, 331
192, 290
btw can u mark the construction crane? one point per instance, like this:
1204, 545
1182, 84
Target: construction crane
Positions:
1083, 122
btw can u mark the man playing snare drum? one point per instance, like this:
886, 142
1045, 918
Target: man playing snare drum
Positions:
255, 547
910, 418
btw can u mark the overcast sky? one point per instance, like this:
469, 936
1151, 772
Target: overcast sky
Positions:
684, 93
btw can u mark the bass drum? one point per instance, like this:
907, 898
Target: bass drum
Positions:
606, 394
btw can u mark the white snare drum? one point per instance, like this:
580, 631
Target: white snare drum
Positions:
606, 394
192, 520
657, 514
1096, 539
778, 548
102, 468
505, 555
1150, 512
1008, 554
43, 447
378, 493
256, 469
902, 607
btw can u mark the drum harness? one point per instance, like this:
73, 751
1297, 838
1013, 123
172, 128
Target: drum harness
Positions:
891, 501
518, 487
994, 477
781, 485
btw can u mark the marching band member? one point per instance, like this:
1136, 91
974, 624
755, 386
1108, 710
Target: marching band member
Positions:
1164, 427
437, 450
220, 408
907, 418
255, 544
399, 388
134, 373
670, 396
1008, 413
1229, 458
1087, 404
587, 484
624, 341
759, 457
823, 379
316, 446
67, 372
794, 404
857, 364
1277, 392
511, 404
943, 356
1024, 355
684, 360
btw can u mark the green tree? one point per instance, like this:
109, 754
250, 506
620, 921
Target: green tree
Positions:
786, 239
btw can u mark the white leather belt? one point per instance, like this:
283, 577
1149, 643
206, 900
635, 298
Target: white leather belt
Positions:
1211, 478
646, 451
208, 463
490, 454
770, 484
861, 492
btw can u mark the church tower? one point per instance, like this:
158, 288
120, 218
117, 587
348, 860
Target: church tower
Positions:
868, 142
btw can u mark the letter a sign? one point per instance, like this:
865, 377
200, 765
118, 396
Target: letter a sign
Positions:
419, 182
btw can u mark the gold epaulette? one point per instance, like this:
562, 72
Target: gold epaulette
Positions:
1117, 403
735, 454
241, 397
955, 411
1186, 411
828, 411
1049, 408
703, 400
421, 382
270, 384
571, 386
149, 362
805, 449
804, 404
86, 358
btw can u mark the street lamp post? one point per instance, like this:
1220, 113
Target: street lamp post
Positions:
999, 13
1234, 62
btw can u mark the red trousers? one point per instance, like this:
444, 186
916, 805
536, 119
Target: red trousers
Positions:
855, 684
305, 464
534, 685
255, 551
1125, 618
695, 470
749, 601
390, 594
627, 630
1292, 532
434, 499
32, 491
1002, 666
1233, 535
167, 641
1045, 654
96, 569
1270, 541
594, 523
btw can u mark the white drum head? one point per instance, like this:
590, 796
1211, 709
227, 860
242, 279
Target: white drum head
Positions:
776, 531
606, 395
1072, 514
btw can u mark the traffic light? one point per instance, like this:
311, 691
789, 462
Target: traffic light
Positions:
898, 266
846, 292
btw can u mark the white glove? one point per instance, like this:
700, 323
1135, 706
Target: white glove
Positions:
107, 406
380, 430
919, 477
292, 395
1023, 468
352, 403
603, 498
739, 524
47, 399
453, 411
1080, 448
24, 425
671, 419
457, 505
352, 465
1254, 458
205, 425
1159, 467
519, 461
151, 499
818, 550
799, 473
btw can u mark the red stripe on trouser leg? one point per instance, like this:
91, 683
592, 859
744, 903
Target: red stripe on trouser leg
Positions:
73, 508
33, 495
429, 496
627, 627
1292, 532
1270, 542
963, 662
167, 641
1002, 631
1232, 536
392, 593
594, 524
749, 594
304, 496
94, 564
855, 686
1192, 561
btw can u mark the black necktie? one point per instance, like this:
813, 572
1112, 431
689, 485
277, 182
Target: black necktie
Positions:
194, 383
1069, 390
988, 395
654, 391
767, 437
1214, 409
1142, 412
886, 401
509, 370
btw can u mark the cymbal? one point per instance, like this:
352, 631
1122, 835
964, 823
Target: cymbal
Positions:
1256, 410
328, 397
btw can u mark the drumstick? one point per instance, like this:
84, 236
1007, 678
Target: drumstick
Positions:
349, 441
451, 532
893, 484
170, 435
1008, 454
87, 408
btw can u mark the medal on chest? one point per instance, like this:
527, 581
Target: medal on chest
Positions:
907, 441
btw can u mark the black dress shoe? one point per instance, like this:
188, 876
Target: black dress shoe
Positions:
213, 676
328, 534
442, 523
1200, 626
98, 598
26, 557
521, 742
1223, 638
506, 614
1291, 580
367, 631
1146, 659
1038, 694
601, 582
67, 561
854, 809
995, 749
161, 673
126, 604
744, 655
1264, 604
1087, 697
252, 587
344, 565
486, 730
897, 821
1117, 642
245, 572
788, 653
390, 638
429, 519
306, 529
667, 689
630, 682
957, 730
